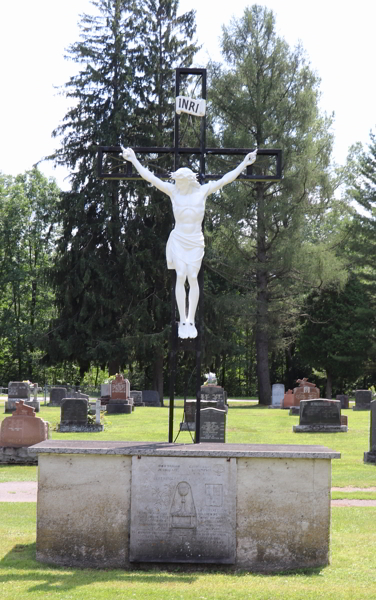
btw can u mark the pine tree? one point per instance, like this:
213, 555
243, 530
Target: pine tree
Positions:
337, 332
28, 205
267, 96
111, 274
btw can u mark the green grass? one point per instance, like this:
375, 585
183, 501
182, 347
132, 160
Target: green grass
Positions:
246, 423
351, 574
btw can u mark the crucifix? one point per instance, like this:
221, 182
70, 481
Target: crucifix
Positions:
185, 246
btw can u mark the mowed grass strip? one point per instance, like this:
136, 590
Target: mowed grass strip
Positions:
351, 574
246, 423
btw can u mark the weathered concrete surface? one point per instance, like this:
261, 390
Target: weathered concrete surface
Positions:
83, 510
283, 513
183, 510
87, 491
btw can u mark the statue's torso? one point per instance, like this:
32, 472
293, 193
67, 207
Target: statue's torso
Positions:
189, 210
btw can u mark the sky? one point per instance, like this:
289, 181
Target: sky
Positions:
338, 38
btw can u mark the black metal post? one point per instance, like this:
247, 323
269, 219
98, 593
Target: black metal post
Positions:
173, 355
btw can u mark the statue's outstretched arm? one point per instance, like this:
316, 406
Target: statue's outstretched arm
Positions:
214, 186
163, 186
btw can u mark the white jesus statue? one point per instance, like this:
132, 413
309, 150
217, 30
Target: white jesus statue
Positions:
185, 245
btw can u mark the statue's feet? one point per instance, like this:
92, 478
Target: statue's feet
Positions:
187, 330
183, 331
192, 331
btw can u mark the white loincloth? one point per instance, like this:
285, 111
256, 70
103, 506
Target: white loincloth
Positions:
188, 248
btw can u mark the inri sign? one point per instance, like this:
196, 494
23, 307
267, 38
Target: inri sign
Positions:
190, 106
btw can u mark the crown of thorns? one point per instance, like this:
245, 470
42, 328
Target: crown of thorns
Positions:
184, 173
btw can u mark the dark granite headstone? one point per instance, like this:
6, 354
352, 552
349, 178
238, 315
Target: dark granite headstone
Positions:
18, 389
151, 398
136, 395
363, 400
57, 395
117, 408
344, 400
213, 425
74, 411
321, 415
214, 393
370, 457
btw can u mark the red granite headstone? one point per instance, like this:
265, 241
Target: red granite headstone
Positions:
120, 388
23, 428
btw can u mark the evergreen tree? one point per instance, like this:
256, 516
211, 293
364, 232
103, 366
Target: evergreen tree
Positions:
28, 206
361, 187
111, 275
337, 333
267, 96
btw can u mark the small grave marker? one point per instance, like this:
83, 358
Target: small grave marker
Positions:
320, 416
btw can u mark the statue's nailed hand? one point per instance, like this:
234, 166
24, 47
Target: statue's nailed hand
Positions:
250, 158
128, 154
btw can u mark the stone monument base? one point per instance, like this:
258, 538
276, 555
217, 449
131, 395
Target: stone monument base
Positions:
294, 410
365, 407
10, 405
187, 426
17, 456
319, 428
116, 408
370, 457
259, 507
79, 428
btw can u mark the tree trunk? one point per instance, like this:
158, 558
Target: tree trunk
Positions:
329, 383
158, 373
262, 334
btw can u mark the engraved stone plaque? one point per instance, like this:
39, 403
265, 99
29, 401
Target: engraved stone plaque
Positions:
183, 510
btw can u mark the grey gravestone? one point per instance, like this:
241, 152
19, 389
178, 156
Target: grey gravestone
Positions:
119, 407
344, 400
183, 511
320, 416
74, 416
213, 425
74, 411
57, 395
370, 457
79, 394
151, 398
136, 395
363, 400
278, 393
18, 390
105, 389
214, 393
294, 410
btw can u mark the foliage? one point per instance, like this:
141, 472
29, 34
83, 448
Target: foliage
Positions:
267, 96
28, 205
111, 280
336, 331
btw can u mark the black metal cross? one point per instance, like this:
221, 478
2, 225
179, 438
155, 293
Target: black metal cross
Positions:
112, 166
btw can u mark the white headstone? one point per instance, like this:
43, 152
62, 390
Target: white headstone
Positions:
278, 392
98, 412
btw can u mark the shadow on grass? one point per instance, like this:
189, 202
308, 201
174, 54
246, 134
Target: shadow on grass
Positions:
47, 577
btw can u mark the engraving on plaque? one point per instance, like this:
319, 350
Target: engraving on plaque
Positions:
183, 509
183, 512
213, 494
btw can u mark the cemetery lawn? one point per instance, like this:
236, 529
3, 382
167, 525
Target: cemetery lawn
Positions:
247, 423
351, 574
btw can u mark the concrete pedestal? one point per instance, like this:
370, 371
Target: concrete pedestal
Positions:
255, 507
